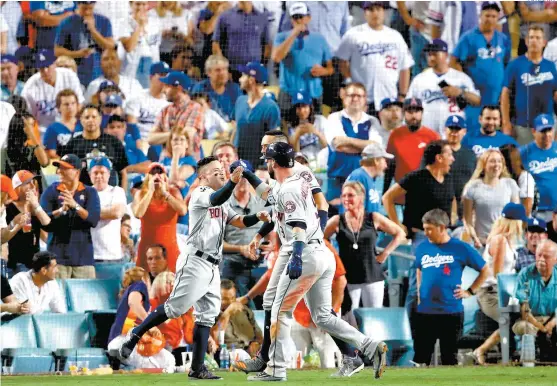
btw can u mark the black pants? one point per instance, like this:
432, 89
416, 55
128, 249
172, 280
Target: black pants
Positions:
430, 327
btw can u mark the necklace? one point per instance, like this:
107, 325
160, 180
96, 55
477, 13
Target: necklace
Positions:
356, 236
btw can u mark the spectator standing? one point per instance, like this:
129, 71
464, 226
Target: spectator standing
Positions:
158, 205
538, 12
357, 234
74, 209
390, 117
59, 133
536, 233
10, 84
440, 262
13, 16
550, 52
529, 195
489, 136
183, 61
127, 244
83, 36
233, 26
41, 89
38, 286
540, 159
376, 56
552, 227
420, 36
304, 59
534, 81
482, 53
206, 23
254, 113
443, 90
348, 132
106, 235
222, 91
47, 16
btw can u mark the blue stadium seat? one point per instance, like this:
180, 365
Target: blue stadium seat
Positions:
260, 318
392, 326
109, 271
506, 284
62, 331
398, 264
103, 294
18, 333
29, 360
95, 356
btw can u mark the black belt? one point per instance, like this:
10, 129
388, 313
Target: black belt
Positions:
315, 241
206, 256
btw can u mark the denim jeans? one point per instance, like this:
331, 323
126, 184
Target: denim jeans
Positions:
417, 44
240, 275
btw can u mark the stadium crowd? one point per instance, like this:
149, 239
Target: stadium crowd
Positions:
428, 124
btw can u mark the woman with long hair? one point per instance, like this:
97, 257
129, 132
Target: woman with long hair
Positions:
485, 195
158, 204
356, 232
499, 255
526, 184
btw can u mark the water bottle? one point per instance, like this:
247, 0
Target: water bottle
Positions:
224, 357
528, 354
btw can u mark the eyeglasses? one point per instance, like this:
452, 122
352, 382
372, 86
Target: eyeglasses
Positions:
298, 17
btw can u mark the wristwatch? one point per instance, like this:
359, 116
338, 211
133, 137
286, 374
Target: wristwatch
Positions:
77, 207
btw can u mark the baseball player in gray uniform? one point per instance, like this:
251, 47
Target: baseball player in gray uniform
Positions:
297, 222
197, 274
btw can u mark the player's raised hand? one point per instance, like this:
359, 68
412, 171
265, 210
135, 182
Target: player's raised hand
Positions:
236, 175
264, 216
294, 268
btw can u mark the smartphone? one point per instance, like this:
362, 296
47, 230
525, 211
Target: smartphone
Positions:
443, 84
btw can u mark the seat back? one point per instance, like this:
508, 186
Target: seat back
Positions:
386, 324
18, 333
506, 286
398, 266
62, 331
260, 318
110, 271
470, 304
103, 294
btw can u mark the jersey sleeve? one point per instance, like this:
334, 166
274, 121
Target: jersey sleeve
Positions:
461, 50
405, 58
230, 213
435, 13
473, 258
345, 47
201, 198
509, 74
293, 206
468, 84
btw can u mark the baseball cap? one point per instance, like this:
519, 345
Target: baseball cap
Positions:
106, 84
374, 150
369, 4
437, 45
513, 211
257, 70
6, 187
44, 58
301, 98
8, 59
69, 161
536, 225
455, 122
543, 122
298, 9
177, 78
246, 165
159, 68
491, 5
388, 102
413, 103
24, 54
114, 100
21, 178
301, 155
116, 118
100, 161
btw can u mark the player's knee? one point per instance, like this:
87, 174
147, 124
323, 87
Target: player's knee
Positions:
322, 318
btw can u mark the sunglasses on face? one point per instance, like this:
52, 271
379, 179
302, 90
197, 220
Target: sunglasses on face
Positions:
156, 171
298, 17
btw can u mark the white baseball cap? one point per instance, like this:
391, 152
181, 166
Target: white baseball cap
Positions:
374, 150
299, 9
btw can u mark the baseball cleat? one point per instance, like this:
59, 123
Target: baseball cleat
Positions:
380, 359
350, 366
264, 377
128, 345
254, 365
203, 374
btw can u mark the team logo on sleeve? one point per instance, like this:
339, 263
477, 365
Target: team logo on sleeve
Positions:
289, 207
306, 176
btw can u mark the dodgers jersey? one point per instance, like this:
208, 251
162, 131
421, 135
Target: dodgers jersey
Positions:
207, 222
145, 108
41, 96
438, 107
376, 59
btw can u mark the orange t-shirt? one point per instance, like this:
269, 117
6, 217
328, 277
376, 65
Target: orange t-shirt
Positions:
174, 329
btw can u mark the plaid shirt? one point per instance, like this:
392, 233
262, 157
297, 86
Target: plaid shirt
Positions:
524, 258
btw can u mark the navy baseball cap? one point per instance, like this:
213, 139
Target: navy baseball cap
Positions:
491, 5
536, 225
544, 122
106, 84
437, 45
369, 4
159, 68
8, 59
388, 102
257, 70
69, 161
177, 78
513, 211
24, 54
455, 122
301, 98
100, 161
44, 58
114, 100
413, 103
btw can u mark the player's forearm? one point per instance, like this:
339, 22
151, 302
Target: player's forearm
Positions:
261, 188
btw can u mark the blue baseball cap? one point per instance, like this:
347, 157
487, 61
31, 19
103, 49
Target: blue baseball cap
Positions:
437, 45
301, 98
513, 211
114, 100
536, 225
159, 68
23, 54
257, 70
44, 58
388, 102
177, 78
8, 59
455, 121
106, 84
100, 161
491, 5
544, 122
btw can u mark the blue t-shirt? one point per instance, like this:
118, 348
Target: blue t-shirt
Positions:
295, 68
187, 160
542, 164
535, 85
133, 154
74, 35
442, 266
372, 188
46, 35
57, 135
484, 63
223, 103
124, 309
480, 143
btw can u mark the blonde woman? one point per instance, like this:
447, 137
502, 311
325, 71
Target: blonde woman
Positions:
500, 257
485, 195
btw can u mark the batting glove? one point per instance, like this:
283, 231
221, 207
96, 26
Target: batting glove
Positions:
294, 268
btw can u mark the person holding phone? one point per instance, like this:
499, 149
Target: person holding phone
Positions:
9, 302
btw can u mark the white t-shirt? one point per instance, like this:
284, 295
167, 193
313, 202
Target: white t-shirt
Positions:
48, 298
550, 52
145, 108
130, 87
147, 45
7, 111
117, 12
334, 128
437, 107
376, 58
41, 96
106, 235
168, 22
